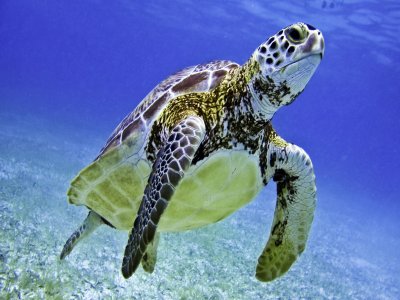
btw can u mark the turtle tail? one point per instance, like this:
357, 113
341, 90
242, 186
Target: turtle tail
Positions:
92, 221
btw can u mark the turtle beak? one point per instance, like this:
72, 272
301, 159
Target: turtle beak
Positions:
322, 44
315, 44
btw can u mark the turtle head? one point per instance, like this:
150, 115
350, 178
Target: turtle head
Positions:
286, 62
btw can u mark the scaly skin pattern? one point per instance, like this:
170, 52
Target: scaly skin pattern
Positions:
171, 163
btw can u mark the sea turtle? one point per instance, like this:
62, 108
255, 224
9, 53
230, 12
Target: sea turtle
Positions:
200, 146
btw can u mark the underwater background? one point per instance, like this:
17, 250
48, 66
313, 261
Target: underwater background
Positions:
71, 70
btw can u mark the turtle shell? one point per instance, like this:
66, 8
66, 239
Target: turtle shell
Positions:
199, 78
113, 184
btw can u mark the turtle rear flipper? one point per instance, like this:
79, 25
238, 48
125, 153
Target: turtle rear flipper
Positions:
91, 222
292, 169
149, 258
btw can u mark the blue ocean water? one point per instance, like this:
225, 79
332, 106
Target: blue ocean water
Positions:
71, 70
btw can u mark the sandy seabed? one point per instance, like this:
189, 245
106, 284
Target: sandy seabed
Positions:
346, 258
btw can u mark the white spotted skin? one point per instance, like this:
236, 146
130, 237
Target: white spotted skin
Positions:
286, 62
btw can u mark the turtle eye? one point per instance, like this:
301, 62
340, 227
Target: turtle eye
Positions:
295, 34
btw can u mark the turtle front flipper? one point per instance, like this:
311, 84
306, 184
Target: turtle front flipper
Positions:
171, 163
292, 169
92, 221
